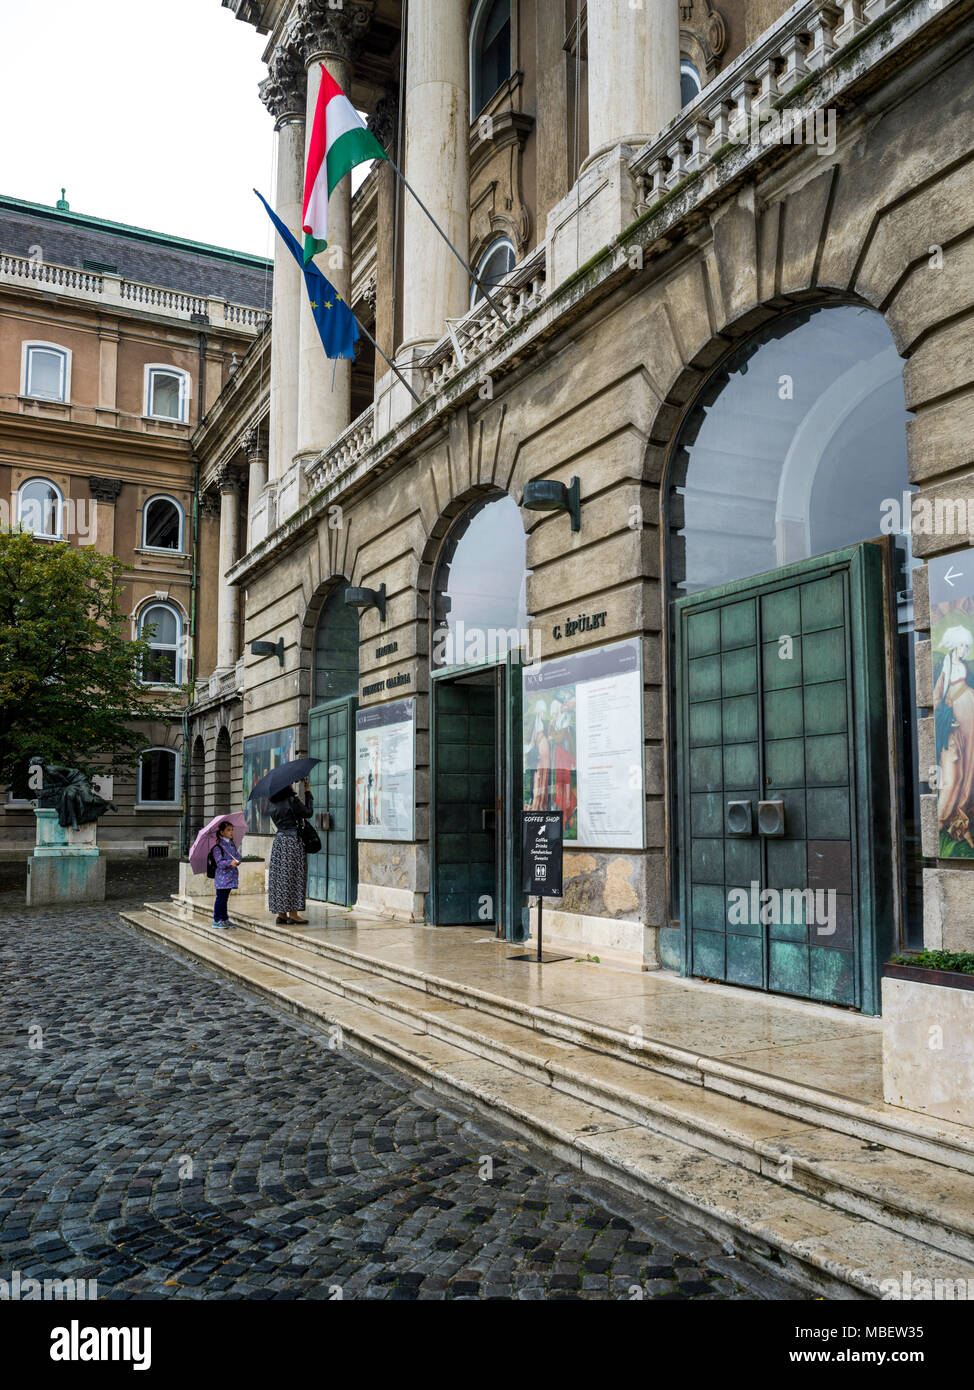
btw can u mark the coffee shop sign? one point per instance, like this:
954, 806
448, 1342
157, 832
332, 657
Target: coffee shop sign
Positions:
585, 622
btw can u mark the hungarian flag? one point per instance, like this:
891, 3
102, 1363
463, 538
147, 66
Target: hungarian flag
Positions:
340, 139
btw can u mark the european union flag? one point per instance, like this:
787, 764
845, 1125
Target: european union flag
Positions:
333, 318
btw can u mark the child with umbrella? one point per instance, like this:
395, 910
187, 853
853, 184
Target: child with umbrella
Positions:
215, 852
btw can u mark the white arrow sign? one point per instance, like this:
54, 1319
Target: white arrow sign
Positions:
950, 575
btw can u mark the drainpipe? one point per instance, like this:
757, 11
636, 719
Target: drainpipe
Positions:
193, 587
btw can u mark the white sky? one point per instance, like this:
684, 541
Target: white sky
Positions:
146, 111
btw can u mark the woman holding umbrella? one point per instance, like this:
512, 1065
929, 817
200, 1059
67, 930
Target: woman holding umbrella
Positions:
288, 866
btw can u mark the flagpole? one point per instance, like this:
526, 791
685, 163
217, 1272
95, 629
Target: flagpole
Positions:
474, 277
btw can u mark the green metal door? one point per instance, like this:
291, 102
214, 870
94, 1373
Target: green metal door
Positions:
332, 872
784, 795
465, 800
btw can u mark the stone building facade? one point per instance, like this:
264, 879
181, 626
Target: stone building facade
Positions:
733, 339
115, 342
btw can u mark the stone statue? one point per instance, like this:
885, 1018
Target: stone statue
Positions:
68, 791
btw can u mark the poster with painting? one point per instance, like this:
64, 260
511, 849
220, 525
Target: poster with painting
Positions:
385, 771
951, 580
260, 754
583, 744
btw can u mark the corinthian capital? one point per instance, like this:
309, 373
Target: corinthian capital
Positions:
384, 121
284, 89
326, 30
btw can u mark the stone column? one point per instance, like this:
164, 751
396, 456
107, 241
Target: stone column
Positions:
256, 451
384, 125
633, 72
283, 93
228, 602
328, 37
437, 166
104, 495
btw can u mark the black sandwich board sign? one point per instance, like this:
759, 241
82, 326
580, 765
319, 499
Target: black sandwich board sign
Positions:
542, 846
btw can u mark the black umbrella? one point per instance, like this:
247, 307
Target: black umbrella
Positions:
282, 776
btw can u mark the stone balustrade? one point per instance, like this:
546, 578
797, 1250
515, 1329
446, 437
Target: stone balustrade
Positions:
114, 290
743, 97
348, 448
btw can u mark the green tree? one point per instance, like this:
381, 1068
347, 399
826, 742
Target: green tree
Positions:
69, 674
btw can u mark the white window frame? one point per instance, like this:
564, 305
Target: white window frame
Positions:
165, 368
502, 240
58, 533
177, 783
163, 549
25, 372
164, 646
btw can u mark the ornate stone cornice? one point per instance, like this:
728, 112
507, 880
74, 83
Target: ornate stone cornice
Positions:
284, 89
105, 489
323, 31
384, 121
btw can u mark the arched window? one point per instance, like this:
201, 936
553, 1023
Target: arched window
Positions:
40, 509
336, 650
159, 777
166, 392
690, 84
490, 50
791, 448
46, 372
480, 587
496, 262
162, 524
162, 666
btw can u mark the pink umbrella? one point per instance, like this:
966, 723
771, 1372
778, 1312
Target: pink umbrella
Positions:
206, 839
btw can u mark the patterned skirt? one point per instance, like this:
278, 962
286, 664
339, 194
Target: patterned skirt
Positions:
285, 888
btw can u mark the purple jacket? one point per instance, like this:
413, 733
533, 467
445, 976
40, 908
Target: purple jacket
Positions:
224, 852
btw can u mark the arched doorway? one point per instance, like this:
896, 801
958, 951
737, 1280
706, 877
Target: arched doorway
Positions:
478, 635
795, 860
197, 788
221, 774
332, 874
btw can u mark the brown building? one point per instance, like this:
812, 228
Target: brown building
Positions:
114, 341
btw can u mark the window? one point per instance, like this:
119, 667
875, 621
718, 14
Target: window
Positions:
480, 586
496, 262
159, 777
40, 508
490, 50
162, 524
46, 371
166, 393
690, 85
335, 650
161, 665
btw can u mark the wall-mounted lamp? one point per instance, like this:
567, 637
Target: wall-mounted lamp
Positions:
545, 495
368, 598
269, 649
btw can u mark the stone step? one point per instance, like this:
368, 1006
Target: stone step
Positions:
922, 1137
912, 1198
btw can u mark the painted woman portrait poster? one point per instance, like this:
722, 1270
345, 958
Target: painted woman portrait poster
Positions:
953, 700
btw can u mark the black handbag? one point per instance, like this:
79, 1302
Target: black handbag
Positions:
309, 837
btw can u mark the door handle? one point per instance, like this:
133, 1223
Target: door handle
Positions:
771, 817
324, 820
488, 811
738, 818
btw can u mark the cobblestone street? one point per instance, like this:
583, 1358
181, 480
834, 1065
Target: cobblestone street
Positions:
166, 1135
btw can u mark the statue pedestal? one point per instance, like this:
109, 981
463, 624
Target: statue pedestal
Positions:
66, 866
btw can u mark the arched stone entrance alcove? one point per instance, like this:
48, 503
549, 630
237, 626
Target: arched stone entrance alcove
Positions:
792, 728
478, 632
332, 633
